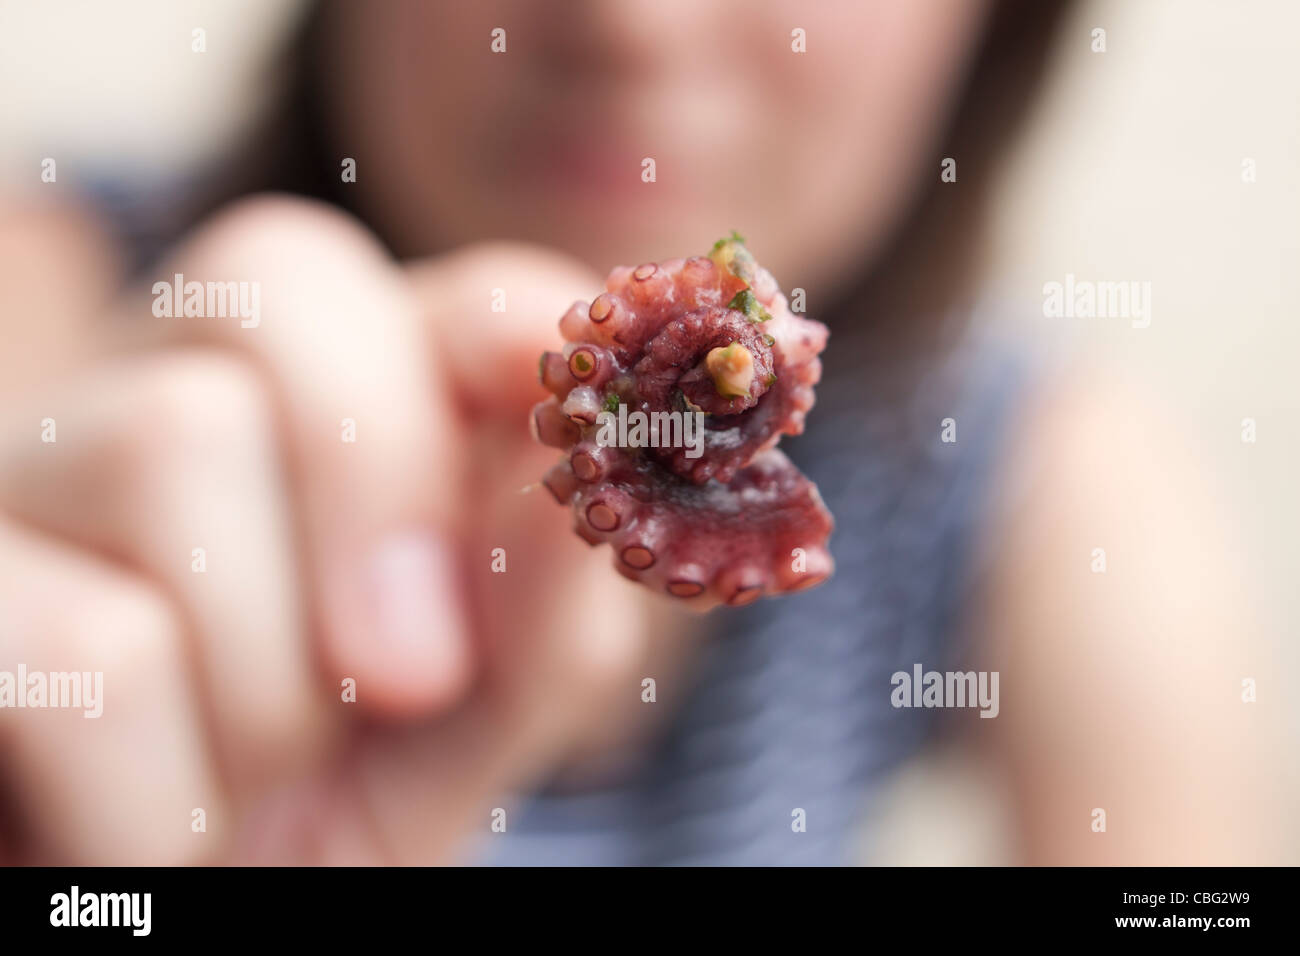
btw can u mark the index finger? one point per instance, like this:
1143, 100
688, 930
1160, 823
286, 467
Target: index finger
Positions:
494, 308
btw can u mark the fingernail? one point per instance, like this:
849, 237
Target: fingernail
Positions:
418, 636
271, 834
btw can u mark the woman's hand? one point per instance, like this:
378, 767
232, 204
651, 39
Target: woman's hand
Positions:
347, 467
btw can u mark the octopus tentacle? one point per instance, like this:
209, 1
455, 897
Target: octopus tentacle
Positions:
725, 518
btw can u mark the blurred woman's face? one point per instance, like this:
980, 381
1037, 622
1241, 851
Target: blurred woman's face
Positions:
809, 154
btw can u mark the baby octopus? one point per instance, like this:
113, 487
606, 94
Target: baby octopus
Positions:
708, 335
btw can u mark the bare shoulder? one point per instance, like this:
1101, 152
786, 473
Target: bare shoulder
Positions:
1105, 522
1114, 609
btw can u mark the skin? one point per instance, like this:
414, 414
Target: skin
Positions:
370, 561
549, 147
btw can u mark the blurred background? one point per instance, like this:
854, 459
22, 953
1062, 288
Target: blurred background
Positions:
1132, 168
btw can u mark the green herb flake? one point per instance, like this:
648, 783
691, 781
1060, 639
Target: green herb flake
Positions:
745, 301
734, 237
731, 255
612, 401
742, 301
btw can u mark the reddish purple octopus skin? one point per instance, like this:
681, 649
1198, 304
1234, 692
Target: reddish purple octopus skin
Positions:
739, 521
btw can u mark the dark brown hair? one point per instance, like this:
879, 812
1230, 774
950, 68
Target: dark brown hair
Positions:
930, 261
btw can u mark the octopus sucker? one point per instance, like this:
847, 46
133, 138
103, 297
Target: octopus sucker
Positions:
559, 482
724, 518
552, 427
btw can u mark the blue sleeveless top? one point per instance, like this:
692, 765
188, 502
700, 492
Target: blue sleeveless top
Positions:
790, 706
